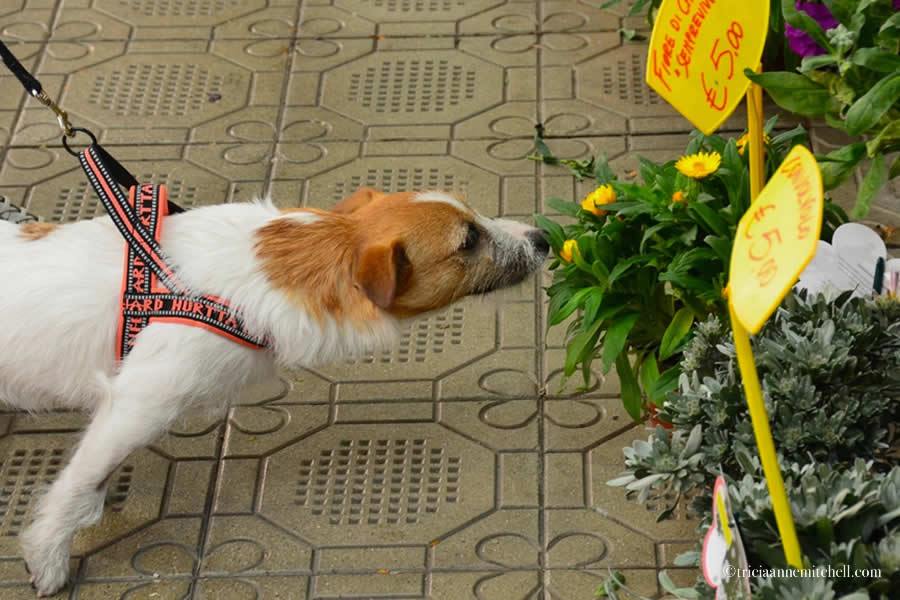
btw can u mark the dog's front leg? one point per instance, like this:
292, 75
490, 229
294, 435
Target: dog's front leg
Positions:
138, 411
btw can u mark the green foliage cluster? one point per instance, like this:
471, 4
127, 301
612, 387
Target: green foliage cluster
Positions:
830, 370
854, 86
655, 262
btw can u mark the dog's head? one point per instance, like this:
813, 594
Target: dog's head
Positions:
404, 253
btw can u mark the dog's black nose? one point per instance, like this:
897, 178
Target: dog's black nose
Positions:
539, 240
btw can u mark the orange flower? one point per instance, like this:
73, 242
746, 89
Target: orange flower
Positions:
678, 196
593, 201
570, 247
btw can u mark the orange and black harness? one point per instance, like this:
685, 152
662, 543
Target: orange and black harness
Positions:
151, 291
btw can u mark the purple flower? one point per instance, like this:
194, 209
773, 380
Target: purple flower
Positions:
799, 41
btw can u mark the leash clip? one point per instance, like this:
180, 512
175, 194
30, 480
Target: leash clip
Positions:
61, 115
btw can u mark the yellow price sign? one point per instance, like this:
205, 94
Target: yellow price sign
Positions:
698, 52
776, 239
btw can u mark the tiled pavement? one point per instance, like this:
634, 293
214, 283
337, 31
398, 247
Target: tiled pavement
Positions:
453, 466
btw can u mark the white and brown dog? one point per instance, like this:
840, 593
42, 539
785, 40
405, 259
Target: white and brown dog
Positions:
319, 286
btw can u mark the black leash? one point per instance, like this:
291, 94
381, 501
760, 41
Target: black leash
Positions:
120, 174
25, 78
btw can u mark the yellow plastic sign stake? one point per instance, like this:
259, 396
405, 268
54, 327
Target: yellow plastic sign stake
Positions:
776, 239
774, 242
755, 140
759, 418
698, 52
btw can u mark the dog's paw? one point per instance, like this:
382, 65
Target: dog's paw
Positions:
48, 563
49, 578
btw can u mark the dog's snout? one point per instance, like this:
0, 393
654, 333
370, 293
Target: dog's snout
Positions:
539, 240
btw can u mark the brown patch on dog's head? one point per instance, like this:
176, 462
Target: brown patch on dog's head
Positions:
36, 230
401, 253
357, 200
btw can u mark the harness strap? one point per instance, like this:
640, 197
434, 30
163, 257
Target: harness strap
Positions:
151, 291
124, 217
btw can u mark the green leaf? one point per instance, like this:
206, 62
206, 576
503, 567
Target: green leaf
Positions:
676, 332
869, 109
722, 247
592, 305
817, 62
795, 92
628, 208
843, 10
616, 339
599, 270
838, 164
622, 267
631, 393
709, 217
649, 373
553, 229
889, 136
571, 305
637, 7
559, 296
564, 207
602, 171
631, 35
870, 186
544, 152
669, 585
806, 23
580, 346
877, 60
690, 558
666, 383
892, 23
790, 138
650, 232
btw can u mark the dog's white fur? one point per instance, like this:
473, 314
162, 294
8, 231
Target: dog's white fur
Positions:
58, 316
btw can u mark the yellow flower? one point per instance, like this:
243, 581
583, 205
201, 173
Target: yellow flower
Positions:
742, 142
570, 247
678, 196
698, 166
593, 201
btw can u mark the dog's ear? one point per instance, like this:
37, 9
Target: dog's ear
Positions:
357, 200
382, 271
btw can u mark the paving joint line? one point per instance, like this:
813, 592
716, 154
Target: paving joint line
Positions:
215, 475
544, 574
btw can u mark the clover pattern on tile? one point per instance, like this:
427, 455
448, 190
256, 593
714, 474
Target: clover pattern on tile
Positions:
261, 419
25, 30
507, 414
498, 586
577, 549
164, 558
509, 550
241, 554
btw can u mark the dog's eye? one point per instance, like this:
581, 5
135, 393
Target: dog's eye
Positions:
472, 237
